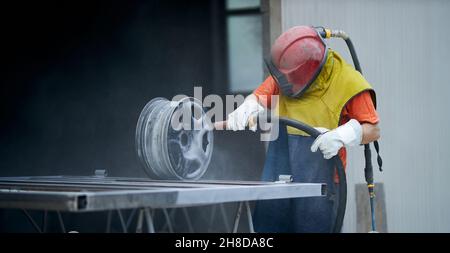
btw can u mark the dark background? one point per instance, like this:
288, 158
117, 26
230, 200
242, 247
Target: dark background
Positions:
76, 74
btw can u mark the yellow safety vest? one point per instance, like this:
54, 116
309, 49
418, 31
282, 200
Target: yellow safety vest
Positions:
321, 105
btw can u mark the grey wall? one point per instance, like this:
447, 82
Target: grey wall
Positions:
402, 46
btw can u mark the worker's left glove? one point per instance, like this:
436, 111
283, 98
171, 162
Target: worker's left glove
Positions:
329, 142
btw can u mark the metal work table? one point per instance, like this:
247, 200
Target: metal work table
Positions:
100, 193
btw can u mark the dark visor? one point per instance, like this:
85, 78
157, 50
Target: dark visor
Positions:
290, 89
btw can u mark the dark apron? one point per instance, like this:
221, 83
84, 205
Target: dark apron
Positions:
291, 155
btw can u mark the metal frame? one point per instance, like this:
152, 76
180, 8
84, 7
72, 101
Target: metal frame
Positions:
142, 196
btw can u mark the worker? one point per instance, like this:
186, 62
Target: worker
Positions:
318, 87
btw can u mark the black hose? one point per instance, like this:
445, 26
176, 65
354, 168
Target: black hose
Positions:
368, 170
340, 213
350, 46
367, 152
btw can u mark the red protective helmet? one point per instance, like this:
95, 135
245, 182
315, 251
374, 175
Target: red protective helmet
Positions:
297, 57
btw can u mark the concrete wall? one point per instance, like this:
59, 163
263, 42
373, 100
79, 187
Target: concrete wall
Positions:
402, 46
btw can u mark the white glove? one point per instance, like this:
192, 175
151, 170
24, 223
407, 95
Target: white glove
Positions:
238, 119
349, 134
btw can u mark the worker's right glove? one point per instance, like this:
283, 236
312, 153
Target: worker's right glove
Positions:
239, 118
